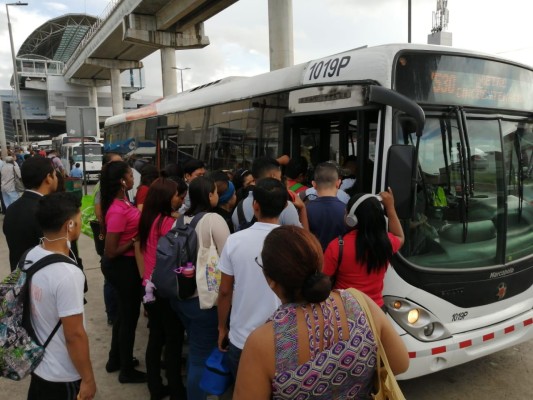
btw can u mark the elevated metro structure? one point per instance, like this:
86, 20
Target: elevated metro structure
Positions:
72, 60
133, 29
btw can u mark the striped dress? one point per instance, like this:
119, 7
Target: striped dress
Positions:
342, 370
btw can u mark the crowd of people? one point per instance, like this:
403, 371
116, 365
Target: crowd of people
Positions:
286, 247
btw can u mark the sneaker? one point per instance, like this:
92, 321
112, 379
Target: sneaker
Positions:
114, 366
132, 376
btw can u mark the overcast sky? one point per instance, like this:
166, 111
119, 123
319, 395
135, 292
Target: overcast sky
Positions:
239, 34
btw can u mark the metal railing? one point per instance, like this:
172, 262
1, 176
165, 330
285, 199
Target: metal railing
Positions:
100, 20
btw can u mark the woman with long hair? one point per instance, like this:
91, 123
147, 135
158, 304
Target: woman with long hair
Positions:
201, 324
121, 223
165, 328
297, 353
362, 260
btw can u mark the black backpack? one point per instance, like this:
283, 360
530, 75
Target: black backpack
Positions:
243, 223
174, 250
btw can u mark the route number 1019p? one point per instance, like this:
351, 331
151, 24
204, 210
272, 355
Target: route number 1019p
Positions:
330, 68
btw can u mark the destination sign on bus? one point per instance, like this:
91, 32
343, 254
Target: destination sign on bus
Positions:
77, 139
467, 81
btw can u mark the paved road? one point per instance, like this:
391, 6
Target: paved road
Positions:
506, 375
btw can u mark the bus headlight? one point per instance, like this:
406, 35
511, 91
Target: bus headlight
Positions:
416, 320
413, 315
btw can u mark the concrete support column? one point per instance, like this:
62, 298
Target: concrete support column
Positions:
3, 141
280, 33
168, 61
93, 102
116, 92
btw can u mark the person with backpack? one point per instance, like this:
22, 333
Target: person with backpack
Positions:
165, 328
121, 224
56, 162
10, 174
56, 294
243, 216
201, 324
326, 213
243, 288
364, 256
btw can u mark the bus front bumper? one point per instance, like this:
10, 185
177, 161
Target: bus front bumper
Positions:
429, 357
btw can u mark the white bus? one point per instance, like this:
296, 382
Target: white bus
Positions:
72, 153
451, 131
64, 138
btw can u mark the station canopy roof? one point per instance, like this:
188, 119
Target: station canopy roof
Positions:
58, 38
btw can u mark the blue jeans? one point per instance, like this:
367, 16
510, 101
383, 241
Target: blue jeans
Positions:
202, 331
234, 356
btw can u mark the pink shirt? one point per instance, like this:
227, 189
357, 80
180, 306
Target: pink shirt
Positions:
149, 253
123, 218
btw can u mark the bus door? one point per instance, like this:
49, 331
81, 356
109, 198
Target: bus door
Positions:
335, 137
166, 146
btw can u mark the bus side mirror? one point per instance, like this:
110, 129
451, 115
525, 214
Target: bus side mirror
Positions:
401, 178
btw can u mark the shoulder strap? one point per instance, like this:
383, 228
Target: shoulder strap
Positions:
240, 212
382, 364
197, 219
30, 271
339, 260
341, 250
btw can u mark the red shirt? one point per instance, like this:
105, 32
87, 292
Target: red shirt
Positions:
352, 274
140, 196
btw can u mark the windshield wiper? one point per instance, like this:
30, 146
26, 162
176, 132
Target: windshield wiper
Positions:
520, 172
464, 172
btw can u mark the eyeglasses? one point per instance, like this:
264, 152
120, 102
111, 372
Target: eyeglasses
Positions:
257, 262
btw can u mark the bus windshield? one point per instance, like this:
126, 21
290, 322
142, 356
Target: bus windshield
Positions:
474, 192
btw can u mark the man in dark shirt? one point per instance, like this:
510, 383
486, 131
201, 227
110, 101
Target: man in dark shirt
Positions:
326, 213
20, 226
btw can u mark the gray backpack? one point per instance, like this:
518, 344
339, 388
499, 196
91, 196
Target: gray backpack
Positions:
174, 250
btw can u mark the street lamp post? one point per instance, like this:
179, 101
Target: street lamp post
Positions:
181, 74
15, 74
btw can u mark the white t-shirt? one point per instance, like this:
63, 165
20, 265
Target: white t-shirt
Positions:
253, 300
289, 215
56, 292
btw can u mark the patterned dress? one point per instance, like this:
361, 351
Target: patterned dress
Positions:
342, 370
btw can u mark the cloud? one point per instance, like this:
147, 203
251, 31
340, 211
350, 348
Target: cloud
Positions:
56, 6
240, 40
23, 23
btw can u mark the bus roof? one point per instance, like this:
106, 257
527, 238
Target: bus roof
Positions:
368, 63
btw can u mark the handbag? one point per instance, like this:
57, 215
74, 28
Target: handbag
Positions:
385, 385
19, 186
208, 275
216, 378
98, 236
